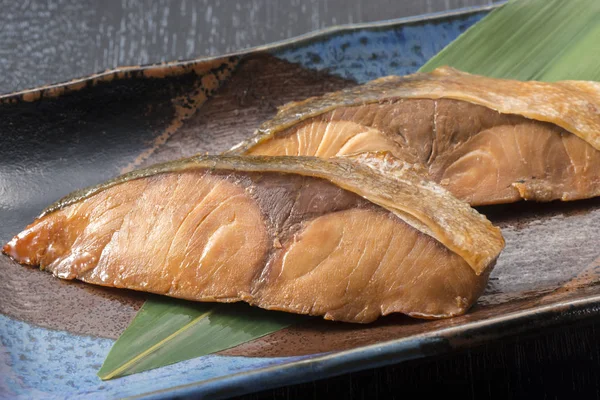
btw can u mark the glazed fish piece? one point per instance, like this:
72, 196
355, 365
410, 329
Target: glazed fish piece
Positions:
488, 141
342, 238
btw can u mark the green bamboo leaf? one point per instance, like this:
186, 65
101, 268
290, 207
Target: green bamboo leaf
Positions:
545, 40
166, 331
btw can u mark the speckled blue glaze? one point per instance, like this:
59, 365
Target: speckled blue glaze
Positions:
367, 54
41, 363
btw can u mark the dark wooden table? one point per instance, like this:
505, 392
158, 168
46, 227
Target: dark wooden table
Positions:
50, 41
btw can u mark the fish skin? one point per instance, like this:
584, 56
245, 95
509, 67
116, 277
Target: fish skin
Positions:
396, 110
391, 184
111, 234
572, 105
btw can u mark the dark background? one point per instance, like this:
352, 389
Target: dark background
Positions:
45, 42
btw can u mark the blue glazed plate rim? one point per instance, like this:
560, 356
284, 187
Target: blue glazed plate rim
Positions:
287, 43
386, 353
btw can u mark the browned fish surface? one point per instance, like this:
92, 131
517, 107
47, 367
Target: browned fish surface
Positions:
488, 141
343, 238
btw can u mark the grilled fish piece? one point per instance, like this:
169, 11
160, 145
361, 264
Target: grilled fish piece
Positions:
488, 141
349, 238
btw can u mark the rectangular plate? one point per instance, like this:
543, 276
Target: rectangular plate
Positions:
55, 334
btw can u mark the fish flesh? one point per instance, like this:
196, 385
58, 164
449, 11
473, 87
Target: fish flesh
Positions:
486, 140
347, 238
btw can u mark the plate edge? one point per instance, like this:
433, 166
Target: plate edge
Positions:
294, 41
382, 354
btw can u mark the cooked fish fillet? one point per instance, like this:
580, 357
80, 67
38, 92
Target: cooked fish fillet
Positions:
349, 238
488, 141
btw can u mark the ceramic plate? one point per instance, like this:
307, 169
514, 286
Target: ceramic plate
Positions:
56, 334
